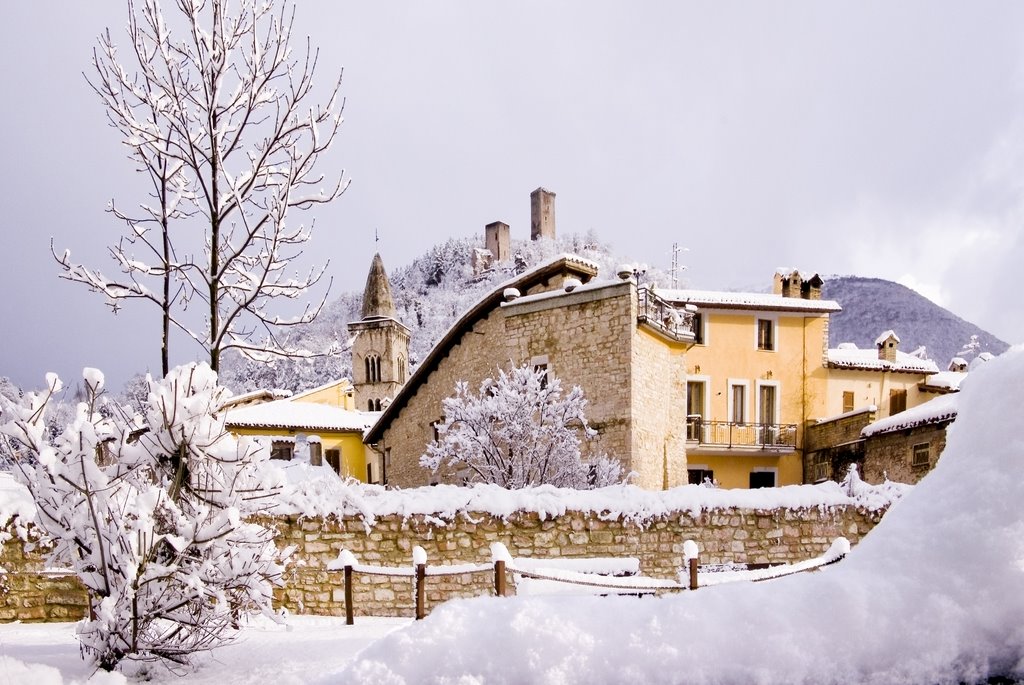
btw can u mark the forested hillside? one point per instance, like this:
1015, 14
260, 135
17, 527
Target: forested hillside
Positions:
873, 305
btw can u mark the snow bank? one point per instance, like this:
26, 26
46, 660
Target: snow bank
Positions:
313, 491
932, 595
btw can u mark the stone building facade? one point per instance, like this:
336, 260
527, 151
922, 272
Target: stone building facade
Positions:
588, 334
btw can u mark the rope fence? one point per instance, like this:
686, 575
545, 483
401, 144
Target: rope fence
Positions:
502, 564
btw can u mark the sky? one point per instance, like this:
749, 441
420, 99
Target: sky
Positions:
854, 138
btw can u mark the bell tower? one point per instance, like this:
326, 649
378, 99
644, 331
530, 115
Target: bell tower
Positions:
380, 349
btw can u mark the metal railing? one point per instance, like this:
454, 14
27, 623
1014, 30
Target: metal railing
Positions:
734, 434
672, 321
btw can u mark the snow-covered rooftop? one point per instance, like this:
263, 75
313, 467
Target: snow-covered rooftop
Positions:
849, 356
300, 415
942, 408
946, 380
740, 300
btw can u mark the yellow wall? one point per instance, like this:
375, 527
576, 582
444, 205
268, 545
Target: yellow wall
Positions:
870, 387
337, 394
729, 354
732, 470
353, 452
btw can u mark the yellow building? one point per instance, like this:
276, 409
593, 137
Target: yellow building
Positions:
320, 425
754, 376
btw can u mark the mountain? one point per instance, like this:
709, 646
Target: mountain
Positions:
873, 305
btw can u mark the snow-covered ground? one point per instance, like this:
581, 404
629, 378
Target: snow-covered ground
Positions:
307, 650
935, 594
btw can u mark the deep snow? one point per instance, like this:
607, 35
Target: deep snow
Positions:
932, 595
935, 594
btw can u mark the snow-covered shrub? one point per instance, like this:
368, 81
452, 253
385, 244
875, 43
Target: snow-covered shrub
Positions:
148, 510
517, 431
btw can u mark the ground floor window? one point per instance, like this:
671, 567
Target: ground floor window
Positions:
921, 455
762, 479
700, 475
279, 449
333, 458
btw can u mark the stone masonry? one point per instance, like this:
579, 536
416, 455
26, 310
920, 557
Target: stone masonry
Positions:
722, 535
728, 535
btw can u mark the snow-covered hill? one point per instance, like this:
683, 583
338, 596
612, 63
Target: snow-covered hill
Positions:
873, 305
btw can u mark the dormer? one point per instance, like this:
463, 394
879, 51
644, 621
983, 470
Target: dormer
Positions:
887, 343
958, 364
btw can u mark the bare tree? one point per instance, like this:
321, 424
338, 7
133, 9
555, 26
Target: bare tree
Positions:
218, 119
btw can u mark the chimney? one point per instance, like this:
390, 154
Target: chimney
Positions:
887, 344
542, 214
496, 240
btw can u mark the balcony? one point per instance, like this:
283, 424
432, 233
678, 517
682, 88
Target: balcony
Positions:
663, 318
779, 437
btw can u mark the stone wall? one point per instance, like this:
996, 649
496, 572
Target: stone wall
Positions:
890, 455
28, 594
724, 535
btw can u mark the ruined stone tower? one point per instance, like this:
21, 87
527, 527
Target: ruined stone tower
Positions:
542, 214
380, 350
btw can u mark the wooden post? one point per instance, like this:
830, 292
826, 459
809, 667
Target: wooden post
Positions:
693, 573
499, 577
421, 591
349, 613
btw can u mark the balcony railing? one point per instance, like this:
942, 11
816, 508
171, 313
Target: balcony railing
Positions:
669, 320
731, 434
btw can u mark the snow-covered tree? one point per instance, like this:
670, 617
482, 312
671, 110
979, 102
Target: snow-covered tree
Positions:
517, 431
148, 511
218, 118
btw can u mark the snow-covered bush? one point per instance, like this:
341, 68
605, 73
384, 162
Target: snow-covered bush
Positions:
517, 431
148, 510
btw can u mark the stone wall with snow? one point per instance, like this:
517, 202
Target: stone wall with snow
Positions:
723, 535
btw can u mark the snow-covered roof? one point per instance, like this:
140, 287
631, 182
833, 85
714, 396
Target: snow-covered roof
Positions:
942, 408
849, 356
740, 300
948, 381
301, 415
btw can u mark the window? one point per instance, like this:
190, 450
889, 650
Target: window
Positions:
385, 466
696, 476
372, 368
847, 401
281, 449
369, 473
765, 334
540, 365
698, 328
767, 405
333, 458
401, 369
921, 455
762, 479
767, 414
738, 403
694, 408
316, 455
897, 401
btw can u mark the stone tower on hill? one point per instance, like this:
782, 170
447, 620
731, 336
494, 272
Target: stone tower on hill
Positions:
380, 350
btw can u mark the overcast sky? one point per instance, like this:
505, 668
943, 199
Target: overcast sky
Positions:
868, 138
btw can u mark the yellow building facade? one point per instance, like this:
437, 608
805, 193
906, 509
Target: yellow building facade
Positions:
753, 377
320, 425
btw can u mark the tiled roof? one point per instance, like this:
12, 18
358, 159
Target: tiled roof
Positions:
848, 356
301, 416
